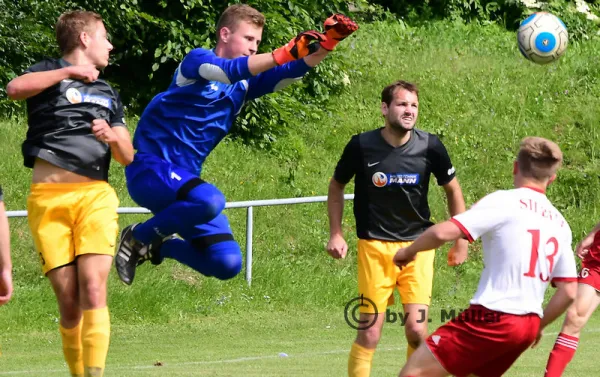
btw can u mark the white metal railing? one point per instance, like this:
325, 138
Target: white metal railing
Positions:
249, 205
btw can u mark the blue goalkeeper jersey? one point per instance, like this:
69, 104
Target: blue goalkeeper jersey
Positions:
186, 122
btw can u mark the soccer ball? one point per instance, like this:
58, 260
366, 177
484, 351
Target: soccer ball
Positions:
542, 38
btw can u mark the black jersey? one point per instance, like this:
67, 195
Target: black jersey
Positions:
1, 194
391, 184
60, 123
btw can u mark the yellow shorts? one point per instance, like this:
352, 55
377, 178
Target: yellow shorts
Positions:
72, 219
378, 275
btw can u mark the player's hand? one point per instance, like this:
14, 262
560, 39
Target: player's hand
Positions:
86, 73
458, 253
583, 247
6, 286
337, 247
103, 131
538, 338
403, 257
337, 27
300, 46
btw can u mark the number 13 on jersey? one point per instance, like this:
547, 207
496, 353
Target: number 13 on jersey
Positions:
552, 242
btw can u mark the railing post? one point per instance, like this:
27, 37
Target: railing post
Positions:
249, 225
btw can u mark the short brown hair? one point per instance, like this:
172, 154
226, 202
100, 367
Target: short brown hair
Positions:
539, 158
239, 12
70, 25
387, 95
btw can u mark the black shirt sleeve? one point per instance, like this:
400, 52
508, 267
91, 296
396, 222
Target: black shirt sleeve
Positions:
44, 65
349, 162
441, 166
1, 194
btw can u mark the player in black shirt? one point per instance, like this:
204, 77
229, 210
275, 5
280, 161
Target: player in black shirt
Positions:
392, 168
5, 261
75, 125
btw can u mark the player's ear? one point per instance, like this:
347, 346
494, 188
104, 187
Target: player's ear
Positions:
224, 34
552, 179
84, 39
384, 108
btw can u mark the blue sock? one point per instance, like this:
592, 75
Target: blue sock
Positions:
202, 204
222, 260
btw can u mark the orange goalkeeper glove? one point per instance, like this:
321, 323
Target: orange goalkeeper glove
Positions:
300, 46
337, 27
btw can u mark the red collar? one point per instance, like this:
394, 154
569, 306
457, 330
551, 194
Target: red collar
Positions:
535, 189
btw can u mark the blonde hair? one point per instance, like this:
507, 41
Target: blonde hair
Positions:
234, 14
70, 25
539, 158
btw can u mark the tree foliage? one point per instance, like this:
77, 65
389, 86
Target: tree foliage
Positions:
151, 38
507, 12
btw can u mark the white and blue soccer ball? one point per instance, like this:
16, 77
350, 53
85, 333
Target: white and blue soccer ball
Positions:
542, 38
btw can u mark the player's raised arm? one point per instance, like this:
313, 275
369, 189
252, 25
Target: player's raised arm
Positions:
37, 79
311, 46
337, 28
306, 44
206, 64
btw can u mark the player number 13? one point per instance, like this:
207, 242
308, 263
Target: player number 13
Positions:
535, 247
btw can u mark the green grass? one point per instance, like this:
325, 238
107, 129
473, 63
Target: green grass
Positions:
253, 344
477, 93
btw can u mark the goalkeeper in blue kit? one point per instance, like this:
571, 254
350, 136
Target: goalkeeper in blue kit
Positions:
181, 126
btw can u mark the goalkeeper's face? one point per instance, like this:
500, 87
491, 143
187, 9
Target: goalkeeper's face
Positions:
242, 40
402, 112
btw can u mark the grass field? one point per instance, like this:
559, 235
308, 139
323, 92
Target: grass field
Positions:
477, 93
253, 344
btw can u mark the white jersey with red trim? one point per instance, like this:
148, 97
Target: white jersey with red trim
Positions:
526, 244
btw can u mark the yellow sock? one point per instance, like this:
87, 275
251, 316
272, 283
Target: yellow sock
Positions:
72, 349
359, 362
95, 335
409, 351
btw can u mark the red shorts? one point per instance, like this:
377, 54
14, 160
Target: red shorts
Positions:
484, 342
590, 267
590, 275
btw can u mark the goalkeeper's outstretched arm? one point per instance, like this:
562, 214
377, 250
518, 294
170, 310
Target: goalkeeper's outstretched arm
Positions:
298, 47
314, 59
306, 44
205, 64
